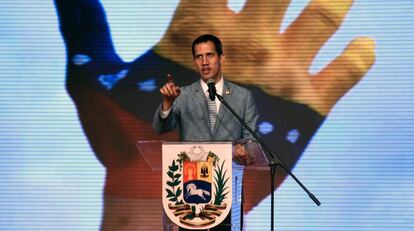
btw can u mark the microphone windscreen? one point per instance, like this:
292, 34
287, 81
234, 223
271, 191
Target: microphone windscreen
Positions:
211, 89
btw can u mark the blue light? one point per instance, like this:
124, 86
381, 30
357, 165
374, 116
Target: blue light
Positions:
265, 128
293, 135
147, 85
81, 59
108, 81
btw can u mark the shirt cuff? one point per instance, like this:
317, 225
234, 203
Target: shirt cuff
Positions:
164, 114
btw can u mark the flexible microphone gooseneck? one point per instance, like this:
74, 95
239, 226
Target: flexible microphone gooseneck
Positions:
211, 89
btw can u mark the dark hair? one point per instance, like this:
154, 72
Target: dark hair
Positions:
208, 37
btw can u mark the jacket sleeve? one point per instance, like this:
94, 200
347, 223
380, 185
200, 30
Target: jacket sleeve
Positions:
162, 125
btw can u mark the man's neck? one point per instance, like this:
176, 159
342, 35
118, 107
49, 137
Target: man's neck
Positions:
216, 79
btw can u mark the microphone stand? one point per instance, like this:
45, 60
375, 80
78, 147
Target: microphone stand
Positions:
274, 162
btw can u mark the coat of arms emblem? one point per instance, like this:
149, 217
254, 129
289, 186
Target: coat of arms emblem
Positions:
197, 183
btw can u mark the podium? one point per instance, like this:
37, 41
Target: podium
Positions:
246, 154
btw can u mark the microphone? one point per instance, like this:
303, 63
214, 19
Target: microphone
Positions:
211, 89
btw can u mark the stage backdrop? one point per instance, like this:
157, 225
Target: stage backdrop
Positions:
359, 163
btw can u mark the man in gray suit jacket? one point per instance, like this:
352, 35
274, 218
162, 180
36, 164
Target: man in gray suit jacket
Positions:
190, 113
197, 117
188, 107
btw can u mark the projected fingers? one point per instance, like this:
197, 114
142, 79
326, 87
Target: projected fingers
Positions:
266, 13
279, 64
315, 25
85, 29
191, 4
344, 72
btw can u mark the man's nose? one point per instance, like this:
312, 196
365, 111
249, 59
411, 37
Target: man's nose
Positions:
205, 60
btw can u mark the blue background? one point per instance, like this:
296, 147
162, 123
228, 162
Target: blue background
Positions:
360, 164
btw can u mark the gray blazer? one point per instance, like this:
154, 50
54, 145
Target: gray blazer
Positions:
190, 113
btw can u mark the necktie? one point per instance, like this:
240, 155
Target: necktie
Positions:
212, 113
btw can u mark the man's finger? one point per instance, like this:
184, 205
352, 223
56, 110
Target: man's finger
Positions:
344, 72
268, 13
170, 78
164, 92
169, 89
315, 25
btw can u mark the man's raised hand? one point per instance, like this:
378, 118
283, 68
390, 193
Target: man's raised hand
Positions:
170, 92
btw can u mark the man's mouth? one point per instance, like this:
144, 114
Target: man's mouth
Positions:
205, 70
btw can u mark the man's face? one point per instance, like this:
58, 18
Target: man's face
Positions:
207, 61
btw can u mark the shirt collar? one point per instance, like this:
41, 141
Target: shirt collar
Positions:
219, 86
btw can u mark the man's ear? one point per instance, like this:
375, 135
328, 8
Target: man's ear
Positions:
222, 57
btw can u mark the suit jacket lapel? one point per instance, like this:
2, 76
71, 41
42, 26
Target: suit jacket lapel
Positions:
202, 100
223, 111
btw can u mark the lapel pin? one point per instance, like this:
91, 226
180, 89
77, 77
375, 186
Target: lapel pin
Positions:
227, 92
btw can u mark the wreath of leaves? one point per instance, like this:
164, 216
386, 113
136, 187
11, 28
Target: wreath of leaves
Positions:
175, 190
220, 184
